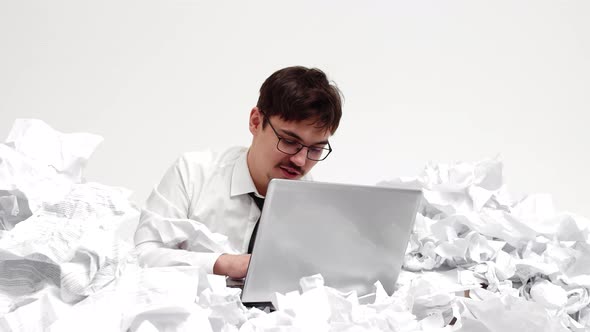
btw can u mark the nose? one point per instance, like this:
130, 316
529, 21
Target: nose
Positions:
300, 157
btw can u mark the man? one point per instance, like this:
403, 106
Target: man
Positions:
297, 112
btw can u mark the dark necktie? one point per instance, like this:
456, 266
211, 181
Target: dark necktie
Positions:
260, 203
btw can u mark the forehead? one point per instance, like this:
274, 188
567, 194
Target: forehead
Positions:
306, 130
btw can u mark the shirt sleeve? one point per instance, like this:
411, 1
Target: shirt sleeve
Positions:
171, 199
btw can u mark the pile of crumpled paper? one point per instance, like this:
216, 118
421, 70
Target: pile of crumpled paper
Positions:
526, 256
61, 238
478, 259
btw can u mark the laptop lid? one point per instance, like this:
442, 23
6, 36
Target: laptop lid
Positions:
353, 235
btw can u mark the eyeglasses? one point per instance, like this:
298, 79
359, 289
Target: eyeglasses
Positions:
292, 147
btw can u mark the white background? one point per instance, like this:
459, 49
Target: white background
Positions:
423, 81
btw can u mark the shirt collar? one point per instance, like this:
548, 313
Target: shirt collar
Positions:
241, 181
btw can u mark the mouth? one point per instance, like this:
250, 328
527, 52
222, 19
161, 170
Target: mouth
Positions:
290, 172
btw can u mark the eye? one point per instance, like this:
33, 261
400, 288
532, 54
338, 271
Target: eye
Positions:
290, 142
316, 149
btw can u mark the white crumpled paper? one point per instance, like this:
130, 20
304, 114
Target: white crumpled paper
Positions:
39, 164
516, 248
66, 153
61, 239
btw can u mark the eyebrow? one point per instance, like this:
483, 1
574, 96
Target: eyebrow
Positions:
292, 134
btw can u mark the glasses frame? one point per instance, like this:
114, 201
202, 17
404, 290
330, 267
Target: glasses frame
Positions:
301, 146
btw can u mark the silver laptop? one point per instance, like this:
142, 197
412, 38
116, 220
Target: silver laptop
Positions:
353, 235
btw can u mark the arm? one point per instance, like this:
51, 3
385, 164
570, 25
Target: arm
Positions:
171, 200
234, 266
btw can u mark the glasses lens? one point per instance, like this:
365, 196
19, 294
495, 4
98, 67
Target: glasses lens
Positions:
293, 147
317, 153
288, 146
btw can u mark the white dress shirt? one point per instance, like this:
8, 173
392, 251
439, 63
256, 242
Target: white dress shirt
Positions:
204, 188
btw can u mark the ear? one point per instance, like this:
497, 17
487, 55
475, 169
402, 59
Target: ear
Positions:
255, 120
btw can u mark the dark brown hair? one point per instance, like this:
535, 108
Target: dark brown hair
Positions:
300, 93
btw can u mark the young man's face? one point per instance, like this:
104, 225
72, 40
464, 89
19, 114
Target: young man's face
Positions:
266, 162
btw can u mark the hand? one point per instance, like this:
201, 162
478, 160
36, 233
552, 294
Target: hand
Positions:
233, 266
